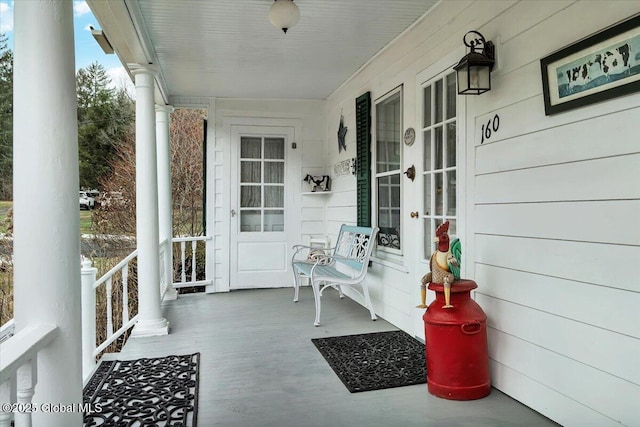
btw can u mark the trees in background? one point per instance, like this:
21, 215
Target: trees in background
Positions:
6, 120
105, 117
118, 216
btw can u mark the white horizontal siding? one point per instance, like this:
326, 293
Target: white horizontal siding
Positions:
580, 261
590, 139
612, 353
598, 221
603, 393
540, 397
552, 206
606, 308
576, 181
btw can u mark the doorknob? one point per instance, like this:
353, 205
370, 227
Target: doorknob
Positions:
233, 213
415, 214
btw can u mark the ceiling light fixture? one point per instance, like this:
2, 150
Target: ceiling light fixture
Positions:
284, 14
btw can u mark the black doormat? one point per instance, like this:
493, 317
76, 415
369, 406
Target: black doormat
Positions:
375, 361
145, 392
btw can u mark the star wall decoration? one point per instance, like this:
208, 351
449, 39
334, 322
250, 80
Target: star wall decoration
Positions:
342, 132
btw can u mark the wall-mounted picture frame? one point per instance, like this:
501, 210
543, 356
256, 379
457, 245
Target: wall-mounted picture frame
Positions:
599, 67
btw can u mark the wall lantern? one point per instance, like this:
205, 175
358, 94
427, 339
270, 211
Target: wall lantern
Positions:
474, 69
284, 14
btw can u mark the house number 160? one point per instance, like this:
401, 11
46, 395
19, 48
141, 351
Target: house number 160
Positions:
492, 125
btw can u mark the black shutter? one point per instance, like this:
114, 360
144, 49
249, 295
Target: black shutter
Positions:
363, 160
204, 177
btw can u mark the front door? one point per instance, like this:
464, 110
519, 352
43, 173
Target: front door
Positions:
264, 221
440, 157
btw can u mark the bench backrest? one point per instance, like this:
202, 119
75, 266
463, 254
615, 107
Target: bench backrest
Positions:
356, 244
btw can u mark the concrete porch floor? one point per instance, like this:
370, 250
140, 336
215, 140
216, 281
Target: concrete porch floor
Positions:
259, 368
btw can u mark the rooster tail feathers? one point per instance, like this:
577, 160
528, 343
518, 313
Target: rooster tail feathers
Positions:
456, 251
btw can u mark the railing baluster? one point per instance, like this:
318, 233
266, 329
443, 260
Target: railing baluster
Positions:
109, 287
193, 260
88, 293
163, 272
125, 294
18, 371
5, 397
27, 375
183, 258
193, 280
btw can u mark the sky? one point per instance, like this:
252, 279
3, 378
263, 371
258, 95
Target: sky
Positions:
87, 49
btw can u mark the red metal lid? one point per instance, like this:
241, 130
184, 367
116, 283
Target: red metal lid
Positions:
457, 286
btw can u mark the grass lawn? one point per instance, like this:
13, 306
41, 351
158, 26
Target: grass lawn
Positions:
86, 218
4, 207
86, 222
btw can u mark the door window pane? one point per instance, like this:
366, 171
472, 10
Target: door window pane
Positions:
428, 238
438, 144
451, 193
250, 221
439, 101
427, 151
274, 197
439, 193
250, 147
250, 196
250, 171
274, 148
427, 195
451, 144
451, 95
273, 220
426, 120
274, 172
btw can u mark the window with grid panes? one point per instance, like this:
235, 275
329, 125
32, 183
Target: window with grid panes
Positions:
388, 148
262, 192
439, 159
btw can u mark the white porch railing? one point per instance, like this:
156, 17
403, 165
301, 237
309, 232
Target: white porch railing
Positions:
90, 286
19, 372
193, 280
91, 349
18, 364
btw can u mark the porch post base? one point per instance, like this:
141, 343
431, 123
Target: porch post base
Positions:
150, 328
171, 294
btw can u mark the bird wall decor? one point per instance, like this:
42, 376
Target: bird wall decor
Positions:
444, 265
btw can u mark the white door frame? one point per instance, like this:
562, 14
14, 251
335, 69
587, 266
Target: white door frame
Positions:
223, 215
464, 175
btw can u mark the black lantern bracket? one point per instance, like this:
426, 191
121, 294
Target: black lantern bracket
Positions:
477, 43
474, 69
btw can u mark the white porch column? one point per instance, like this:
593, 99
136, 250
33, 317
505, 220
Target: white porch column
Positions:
165, 202
151, 321
47, 227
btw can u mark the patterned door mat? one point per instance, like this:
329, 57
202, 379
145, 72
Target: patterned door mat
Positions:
145, 392
375, 361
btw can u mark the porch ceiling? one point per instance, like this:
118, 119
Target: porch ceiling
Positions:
228, 48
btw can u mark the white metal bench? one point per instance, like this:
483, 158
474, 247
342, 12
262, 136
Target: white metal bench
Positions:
346, 265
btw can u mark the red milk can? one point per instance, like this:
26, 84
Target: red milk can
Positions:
456, 344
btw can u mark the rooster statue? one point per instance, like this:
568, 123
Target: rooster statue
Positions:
444, 264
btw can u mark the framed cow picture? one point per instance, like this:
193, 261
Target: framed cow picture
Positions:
602, 66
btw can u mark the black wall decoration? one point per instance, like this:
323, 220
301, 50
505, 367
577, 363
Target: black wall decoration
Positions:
342, 132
